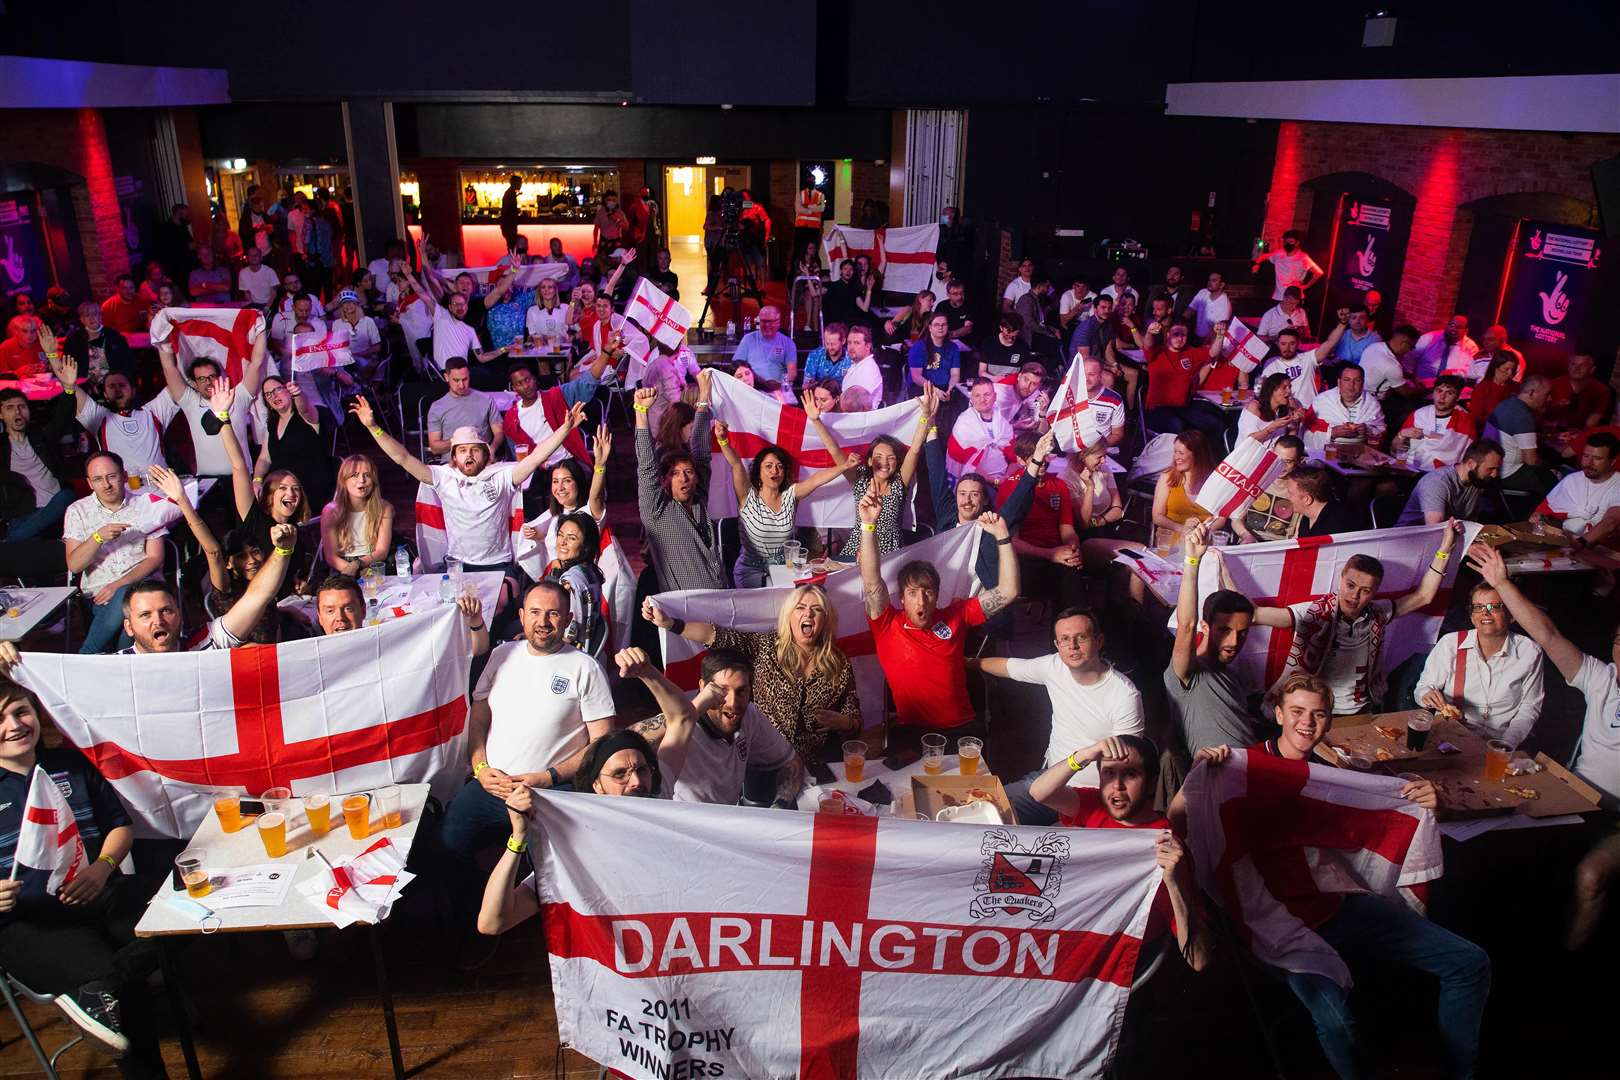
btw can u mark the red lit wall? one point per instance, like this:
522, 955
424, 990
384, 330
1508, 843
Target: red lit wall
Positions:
1444, 168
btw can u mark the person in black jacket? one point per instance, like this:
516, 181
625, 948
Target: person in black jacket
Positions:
35, 489
99, 349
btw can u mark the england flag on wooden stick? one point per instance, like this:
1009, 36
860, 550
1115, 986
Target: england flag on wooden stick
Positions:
951, 552
345, 712
529, 275
225, 335
758, 420
1278, 842
658, 313
48, 841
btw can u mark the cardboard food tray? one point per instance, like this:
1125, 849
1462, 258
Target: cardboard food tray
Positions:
1360, 735
931, 794
1525, 533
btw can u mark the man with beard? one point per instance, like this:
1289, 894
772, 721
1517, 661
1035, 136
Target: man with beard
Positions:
1454, 492
119, 426
1208, 706
340, 606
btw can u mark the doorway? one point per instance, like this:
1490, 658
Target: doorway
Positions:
686, 201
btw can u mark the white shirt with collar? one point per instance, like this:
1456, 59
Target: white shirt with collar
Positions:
120, 554
1501, 696
1381, 370
1433, 355
1276, 320
1331, 411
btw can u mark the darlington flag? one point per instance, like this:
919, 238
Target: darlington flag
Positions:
226, 335
952, 552
758, 420
1287, 572
1273, 840
1070, 412
379, 705
905, 257
48, 841
836, 947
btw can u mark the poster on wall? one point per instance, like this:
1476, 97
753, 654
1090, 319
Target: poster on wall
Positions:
24, 265
1550, 291
1369, 249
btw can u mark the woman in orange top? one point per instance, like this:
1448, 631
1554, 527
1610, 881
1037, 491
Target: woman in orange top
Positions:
1191, 463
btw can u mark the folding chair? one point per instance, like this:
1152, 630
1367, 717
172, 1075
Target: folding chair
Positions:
12, 988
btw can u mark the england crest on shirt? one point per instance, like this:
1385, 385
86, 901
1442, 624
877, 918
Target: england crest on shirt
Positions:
942, 631
559, 684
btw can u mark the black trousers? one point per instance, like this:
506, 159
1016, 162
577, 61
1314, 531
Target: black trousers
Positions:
58, 950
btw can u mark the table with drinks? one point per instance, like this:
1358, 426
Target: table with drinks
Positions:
21, 610
1230, 398
247, 861
857, 771
391, 597
1481, 781
796, 567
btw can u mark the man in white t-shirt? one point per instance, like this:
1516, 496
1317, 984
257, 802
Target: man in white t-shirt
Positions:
1120, 286
1290, 267
1597, 756
1587, 503
1288, 312
1019, 285
709, 751
1340, 637
1300, 367
1090, 702
1210, 305
863, 373
1383, 367
453, 335
119, 426
256, 282
1107, 407
1075, 303
191, 395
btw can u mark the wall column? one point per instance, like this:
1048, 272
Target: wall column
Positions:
368, 134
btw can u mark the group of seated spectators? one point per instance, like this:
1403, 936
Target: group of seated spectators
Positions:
772, 707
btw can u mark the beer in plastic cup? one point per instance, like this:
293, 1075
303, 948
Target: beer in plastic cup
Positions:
854, 761
968, 750
830, 804
1330, 452
318, 809
933, 754
273, 831
135, 481
1417, 731
1226, 395
229, 808
1496, 760
277, 799
189, 863
356, 811
388, 806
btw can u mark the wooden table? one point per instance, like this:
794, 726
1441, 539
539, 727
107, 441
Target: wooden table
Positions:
1385, 466
1459, 775
296, 912
1545, 549
32, 607
1213, 397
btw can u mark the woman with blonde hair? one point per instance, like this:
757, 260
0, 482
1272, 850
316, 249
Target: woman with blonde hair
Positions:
357, 526
803, 682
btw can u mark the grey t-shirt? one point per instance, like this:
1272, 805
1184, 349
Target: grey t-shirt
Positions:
1212, 709
475, 409
1440, 492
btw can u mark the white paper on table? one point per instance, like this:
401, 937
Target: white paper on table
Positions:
1467, 830
264, 885
372, 882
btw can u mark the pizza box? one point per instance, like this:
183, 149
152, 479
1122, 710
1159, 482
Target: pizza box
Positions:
1374, 738
931, 794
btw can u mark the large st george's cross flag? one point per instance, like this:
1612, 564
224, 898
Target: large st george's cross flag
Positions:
378, 705
836, 947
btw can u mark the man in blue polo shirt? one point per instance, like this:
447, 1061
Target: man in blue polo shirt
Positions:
768, 351
1513, 425
1357, 338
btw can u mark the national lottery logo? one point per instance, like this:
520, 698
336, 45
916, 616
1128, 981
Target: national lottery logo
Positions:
1017, 880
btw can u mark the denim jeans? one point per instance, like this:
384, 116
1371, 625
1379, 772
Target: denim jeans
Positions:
473, 821
43, 521
1369, 924
1029, 811
106, 633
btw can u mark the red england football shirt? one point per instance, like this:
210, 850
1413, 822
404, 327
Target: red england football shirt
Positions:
924, 664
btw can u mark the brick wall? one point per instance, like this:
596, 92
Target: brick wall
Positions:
867, 180
1444, 169
76, 141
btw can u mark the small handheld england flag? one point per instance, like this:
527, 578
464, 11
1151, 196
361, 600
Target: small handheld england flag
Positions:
49, 839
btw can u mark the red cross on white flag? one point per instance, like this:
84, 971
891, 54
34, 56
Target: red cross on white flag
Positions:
841, 946
319, 352
379, 705
656, 312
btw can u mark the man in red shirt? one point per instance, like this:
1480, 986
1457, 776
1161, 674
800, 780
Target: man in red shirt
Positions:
123, 310
1047, 545
920, 645
1128, 770
1578, 401
1174, 368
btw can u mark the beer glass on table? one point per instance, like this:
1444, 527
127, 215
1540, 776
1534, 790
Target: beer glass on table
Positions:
968, 752
933, 754
189, 864
854, 761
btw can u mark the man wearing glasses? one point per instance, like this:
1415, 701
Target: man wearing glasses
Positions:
1492, 677
1090, 702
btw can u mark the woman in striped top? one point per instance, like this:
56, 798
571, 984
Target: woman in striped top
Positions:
766, 501
886, 469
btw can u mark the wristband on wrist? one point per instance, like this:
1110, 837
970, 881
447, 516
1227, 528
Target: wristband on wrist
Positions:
722, 442
600, 469
1442, 555
287, 552
1191, 560
701, 405
642, 408
868, 526
98, 538
69, 389
480, 767
224, 415
678, 627
555, 776
375, 431
1003, 541
513, 844
108, 859
475, 630
1074, 766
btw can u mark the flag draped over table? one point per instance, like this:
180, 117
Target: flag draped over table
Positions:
1274, 841
758, 420
1245, 350
905, 257
346, 712
838, 947
48, 841
318, 352
1287, 572
951, 552
1071, 413
658, 313
224, 335
529, 275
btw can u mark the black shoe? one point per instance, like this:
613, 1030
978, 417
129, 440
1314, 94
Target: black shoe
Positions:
94, 1009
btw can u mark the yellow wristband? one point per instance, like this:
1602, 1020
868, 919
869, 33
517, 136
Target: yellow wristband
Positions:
1074, 766
69, 389
1442, 555
868, 527
516, 845
480, 767
98, 538
723, 442
600, 469
642, 408
375, 431
1191, 560
287, 552
224, 415
108, 859
933, 429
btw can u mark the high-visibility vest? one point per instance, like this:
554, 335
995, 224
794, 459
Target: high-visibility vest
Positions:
808, 208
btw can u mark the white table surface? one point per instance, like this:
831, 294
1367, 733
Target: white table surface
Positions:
898, 781
420, 592
244, 848
37, 605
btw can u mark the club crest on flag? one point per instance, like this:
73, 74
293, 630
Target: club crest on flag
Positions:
1015, 880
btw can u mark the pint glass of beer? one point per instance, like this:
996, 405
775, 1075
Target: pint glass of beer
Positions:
1496, 760
228, 805
388, 806
356, 812
968, 752
933, 754
273, 831
318, 809
1417, 731
189, 864
854, 761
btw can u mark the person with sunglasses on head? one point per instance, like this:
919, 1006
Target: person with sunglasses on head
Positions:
1488, 676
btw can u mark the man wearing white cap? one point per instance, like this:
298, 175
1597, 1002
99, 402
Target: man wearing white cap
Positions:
365, 339
477, 498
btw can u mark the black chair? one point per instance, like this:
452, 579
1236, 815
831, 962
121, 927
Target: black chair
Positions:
1386, 510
